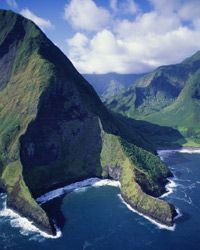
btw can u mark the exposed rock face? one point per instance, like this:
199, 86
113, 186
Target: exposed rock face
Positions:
54, 129
113, 172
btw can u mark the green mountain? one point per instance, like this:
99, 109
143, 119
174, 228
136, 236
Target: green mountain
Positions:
168, 96
110, 84
54, 130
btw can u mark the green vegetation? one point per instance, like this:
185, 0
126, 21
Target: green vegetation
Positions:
132, 193
129, 160
169, 96
150, 172
19, 197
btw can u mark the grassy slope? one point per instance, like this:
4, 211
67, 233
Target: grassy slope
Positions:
19, 197
18, 107
169, 96
151, 92
184, 113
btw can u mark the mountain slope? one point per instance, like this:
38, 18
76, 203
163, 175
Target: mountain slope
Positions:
184, 113
110, 84
168, 96
54, 130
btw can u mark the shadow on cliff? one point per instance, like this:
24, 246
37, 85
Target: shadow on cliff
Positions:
148, 135
53, 209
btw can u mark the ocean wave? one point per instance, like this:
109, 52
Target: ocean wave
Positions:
106, 182
69, 188
166, 152
179, 214
26, 226
170, 187
186, 199
159, 225
77, 187
174, 181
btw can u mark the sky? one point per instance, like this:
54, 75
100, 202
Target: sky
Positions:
122, 36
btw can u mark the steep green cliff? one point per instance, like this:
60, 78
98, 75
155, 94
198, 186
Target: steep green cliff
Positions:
54, 130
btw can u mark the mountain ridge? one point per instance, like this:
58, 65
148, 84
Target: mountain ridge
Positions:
168, 96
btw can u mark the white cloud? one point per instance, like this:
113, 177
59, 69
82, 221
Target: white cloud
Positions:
185, 9
86, 15
106, 52
79, 40
190, 10
41, 22
136, 45
124, 7
12, 3
166, 6
151, 22
78, 46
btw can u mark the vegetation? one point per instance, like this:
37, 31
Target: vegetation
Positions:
19, 197
132, 193
150, 172
169, 96
129, 160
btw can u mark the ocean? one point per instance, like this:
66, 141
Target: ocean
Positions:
96, 218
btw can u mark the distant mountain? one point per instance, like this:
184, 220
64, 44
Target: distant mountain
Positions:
54, 130
111, 84
170, 96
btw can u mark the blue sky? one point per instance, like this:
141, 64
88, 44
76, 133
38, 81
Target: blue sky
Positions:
123, 36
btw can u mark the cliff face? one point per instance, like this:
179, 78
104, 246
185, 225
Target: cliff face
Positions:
54, 129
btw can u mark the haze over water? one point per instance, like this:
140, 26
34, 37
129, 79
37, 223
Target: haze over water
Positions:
96, 219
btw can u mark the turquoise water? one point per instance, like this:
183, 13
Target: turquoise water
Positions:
96, 219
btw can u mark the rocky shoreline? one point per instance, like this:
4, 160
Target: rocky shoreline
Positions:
85, 183
165, 220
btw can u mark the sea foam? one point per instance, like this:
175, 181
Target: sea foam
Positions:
26, 226
165, 152
170, 187
77, 186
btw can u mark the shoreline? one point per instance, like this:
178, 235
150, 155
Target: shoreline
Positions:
171, 185
187, 150
90, 182
159, 225
96, 182
26, 225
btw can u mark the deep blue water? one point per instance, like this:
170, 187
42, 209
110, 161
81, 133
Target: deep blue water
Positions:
96, 219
